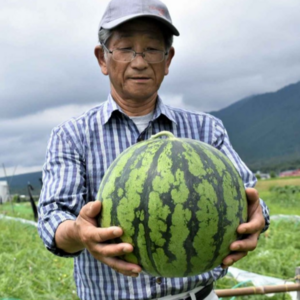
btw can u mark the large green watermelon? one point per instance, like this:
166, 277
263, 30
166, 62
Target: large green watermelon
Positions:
179, 202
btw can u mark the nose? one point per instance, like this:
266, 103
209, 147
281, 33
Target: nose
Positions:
142, 54
139, 61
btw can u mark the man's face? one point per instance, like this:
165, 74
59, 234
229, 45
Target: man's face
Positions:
137, 80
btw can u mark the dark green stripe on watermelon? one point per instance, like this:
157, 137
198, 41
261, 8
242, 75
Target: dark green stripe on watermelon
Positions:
179, 203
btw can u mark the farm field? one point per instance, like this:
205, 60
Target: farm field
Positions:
264, 185
277, 253
29, 272
278, 195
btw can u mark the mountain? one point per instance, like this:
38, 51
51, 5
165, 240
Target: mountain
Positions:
265, 129
18, 183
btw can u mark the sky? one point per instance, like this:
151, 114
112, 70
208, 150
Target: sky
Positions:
226, 51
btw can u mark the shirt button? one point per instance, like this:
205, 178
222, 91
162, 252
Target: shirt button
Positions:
158, 280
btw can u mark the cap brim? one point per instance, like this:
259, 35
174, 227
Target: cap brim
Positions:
120, 21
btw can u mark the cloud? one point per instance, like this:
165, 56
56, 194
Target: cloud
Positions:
233, 49
47, 55
227, 50
24, 141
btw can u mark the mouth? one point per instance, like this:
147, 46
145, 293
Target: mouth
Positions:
140, 78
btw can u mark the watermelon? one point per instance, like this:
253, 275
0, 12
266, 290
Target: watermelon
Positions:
179, 202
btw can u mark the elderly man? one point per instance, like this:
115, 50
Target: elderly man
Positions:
135, 52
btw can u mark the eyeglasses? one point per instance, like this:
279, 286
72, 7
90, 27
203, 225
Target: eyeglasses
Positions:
127, 55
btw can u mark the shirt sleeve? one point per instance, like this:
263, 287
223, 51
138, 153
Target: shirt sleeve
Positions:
221, 142
64, 190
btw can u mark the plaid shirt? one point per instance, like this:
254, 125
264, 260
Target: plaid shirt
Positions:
79, 153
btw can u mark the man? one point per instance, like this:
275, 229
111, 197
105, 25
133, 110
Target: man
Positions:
136, 53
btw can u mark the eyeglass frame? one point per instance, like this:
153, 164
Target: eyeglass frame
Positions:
135, 54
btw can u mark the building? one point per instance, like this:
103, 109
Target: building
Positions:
4, 192
260, 175
290, 173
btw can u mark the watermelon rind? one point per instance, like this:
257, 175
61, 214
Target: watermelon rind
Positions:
179, 202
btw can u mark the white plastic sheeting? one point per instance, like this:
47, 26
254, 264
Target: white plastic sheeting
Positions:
258, 280
286, 217
19, 220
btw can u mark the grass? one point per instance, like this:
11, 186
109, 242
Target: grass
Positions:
29, 272
277, 253
278, 249
19, 210
280, 203
264, 185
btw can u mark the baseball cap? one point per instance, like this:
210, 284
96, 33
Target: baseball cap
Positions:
120, 11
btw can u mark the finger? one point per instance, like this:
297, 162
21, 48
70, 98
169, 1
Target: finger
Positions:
123, 267
232, 258
255, 224
109, 233
247, 244
111, 250
96, 235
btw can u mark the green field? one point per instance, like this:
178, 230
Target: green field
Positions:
277, 253
29, 272
18, 210
281, 202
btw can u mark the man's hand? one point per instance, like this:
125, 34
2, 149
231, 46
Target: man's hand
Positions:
73, 236
251, 229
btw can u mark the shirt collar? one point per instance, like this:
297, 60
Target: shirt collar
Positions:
111, 106
162, 109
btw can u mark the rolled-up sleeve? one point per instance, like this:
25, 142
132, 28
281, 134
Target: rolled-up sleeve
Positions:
222, 143
64, 188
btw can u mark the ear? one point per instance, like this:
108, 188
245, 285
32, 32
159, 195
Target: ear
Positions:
100, 55
169, 59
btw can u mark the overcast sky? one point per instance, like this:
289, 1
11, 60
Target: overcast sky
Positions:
227, 50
